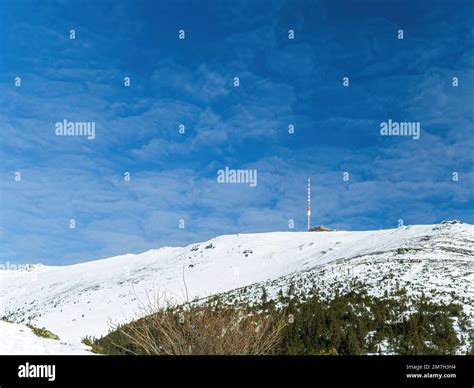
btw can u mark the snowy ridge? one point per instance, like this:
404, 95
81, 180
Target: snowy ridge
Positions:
83, 299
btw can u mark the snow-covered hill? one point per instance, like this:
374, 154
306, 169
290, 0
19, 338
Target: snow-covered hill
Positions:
19, 339
83, 299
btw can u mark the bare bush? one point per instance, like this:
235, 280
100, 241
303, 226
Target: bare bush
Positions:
203, 330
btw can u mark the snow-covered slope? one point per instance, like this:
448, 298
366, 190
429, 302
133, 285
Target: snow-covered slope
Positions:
83, 299
19, 339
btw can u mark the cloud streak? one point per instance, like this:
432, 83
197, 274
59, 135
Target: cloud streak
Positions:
282, 82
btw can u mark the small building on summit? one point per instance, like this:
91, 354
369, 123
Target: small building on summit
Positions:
320, 228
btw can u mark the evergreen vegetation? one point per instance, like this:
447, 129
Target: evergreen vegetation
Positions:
42, 332
353, 323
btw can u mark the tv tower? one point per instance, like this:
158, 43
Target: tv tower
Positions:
309, 204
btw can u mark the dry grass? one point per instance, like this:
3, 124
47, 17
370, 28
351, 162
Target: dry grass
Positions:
203, 330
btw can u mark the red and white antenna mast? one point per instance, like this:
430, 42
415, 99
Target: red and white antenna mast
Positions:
309, 204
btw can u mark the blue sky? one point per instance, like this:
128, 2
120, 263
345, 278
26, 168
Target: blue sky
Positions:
190, 82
